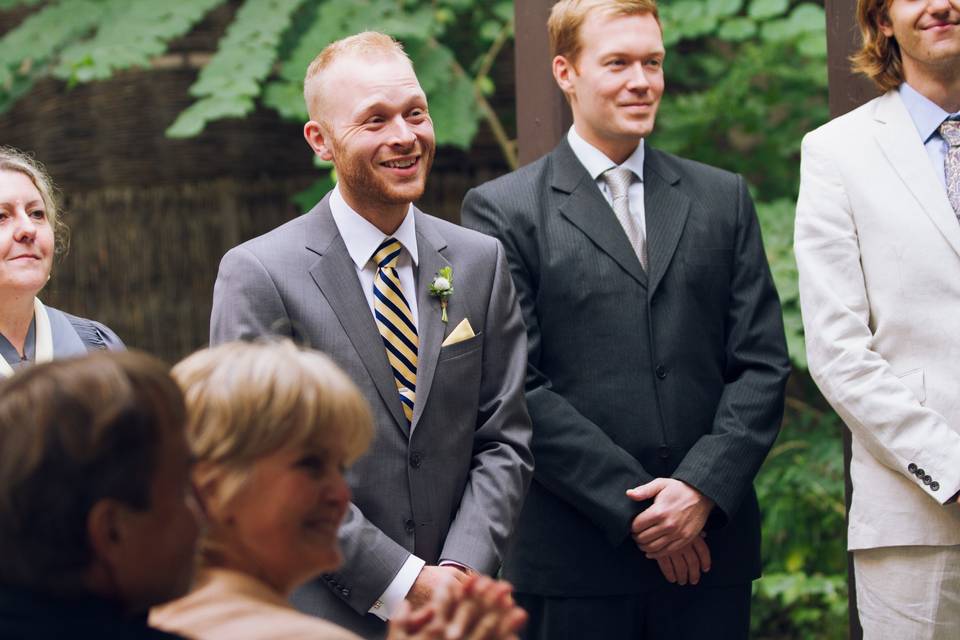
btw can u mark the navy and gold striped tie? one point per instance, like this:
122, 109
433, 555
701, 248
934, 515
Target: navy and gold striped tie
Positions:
395, 321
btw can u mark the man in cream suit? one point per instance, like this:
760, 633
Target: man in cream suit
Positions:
878, 249
438, 493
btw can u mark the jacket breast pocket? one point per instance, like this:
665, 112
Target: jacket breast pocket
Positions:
460, 349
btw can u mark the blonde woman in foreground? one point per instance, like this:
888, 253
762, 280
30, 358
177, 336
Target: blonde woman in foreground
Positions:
272, 428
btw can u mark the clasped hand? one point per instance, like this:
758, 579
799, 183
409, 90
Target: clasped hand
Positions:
670, 531
460, 606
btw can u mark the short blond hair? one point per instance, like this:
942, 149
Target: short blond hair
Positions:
12, 159
366, 44
568, 16
247, 400
879, 56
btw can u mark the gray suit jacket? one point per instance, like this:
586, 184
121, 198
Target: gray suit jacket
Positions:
675, 371
452, 488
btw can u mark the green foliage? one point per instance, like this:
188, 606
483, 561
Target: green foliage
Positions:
28, 52
129, 34
228, 85
265, 52
803, 590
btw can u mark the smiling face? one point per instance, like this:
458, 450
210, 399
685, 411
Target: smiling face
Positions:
376, 130
26, 237
283, 521
615, 84
928, 34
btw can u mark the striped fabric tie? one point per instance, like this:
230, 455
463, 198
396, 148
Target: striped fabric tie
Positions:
395, 321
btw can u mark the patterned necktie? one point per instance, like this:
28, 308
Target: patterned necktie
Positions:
395, 321
950, 130
618, 181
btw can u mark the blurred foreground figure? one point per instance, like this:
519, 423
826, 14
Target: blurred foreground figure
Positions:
31, 233
423, 317
95, 525
657, 355
878, 249
272, 429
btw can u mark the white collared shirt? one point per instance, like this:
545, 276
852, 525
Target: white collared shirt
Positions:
362, 239
597, 163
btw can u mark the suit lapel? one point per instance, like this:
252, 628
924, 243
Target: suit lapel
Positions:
587, 209
903, 149
336, 276
666, 209
430, 328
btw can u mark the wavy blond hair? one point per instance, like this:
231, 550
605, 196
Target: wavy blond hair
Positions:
879, 56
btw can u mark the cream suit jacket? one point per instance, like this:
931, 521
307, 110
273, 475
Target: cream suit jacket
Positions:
878, 251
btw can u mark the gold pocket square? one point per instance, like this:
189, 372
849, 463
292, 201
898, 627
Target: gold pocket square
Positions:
463, 331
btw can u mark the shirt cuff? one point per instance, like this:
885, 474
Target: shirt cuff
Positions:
386, 605
457, 565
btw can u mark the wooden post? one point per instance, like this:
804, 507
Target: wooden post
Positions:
543, 116
847, 91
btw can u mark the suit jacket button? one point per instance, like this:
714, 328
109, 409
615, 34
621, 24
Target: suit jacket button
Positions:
345, 592
415, 460
934, 485
661, 371
927, 479
912, 468
920, 473
409, 526
663, 452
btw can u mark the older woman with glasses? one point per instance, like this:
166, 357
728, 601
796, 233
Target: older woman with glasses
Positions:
31, 232
272, 429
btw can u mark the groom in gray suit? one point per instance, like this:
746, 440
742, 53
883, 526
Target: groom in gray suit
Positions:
423, 316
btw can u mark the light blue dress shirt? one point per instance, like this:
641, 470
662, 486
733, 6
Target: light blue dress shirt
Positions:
927, 117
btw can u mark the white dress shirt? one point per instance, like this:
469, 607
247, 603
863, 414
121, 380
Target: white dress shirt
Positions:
362, 239
597, 163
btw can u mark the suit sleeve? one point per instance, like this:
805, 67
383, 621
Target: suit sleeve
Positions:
881, 411
723, 463
502, 461
575, 459
246, 305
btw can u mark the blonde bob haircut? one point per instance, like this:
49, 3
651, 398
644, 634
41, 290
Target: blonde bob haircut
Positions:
15, 160
366, 44
879, 56
246, 401
568, 16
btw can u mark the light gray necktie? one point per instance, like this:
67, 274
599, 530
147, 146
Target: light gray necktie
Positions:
950, 130
618, 181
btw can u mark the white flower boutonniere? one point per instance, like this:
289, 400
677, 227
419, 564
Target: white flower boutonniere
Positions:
442, 288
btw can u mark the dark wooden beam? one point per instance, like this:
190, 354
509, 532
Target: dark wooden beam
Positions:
847, 91
542, 112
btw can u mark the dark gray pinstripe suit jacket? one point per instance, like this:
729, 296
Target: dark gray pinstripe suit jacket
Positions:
679, 371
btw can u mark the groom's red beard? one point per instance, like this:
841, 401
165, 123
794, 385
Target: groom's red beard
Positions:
360, 175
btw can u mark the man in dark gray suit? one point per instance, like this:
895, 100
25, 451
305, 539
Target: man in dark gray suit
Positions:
422, 314
656, 355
